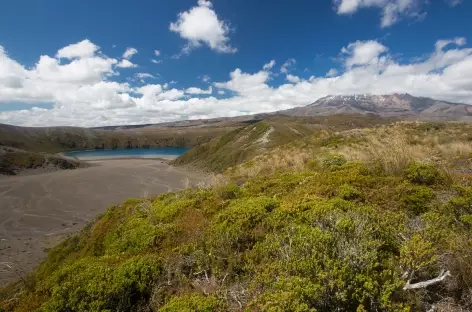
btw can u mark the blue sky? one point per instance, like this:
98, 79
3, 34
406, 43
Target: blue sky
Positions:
212, 56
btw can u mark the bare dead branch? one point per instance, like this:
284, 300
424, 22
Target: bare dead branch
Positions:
442, 276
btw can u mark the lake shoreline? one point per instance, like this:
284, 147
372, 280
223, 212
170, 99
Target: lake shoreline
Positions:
166, 153
107, 158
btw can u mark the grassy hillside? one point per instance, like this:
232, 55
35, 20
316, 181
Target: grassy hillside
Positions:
14, 160
375, 219
58, 139
244, 143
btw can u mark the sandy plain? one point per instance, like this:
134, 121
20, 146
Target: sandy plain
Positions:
38, 210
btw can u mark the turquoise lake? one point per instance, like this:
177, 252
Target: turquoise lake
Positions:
156, 152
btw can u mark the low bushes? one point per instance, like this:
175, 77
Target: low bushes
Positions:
347, 236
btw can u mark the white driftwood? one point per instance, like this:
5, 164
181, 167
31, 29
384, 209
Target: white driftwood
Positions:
427, 283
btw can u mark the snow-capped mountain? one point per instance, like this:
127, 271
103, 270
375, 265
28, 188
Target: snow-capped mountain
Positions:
395, 105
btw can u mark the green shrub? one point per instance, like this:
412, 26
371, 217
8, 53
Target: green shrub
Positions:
167, 211
416, 198
313, 164
467, 219
348, 192
462, 204
423, 173
194, 303
101, 284
333, 161
236, 223
230, 191
136, 234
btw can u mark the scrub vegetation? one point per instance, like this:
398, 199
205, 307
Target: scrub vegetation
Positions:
374, 218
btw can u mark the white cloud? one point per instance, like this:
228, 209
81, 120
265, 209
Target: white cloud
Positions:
194, 90
441, 44
144, 75
332, 72
156, 61
285, 68
392, 10
205, 78
363, 52
126, 64
157, 52
244, 83
82, 49
269, 65
453, 3
293, 79
201, 25
128, 54
80, 83
83, 92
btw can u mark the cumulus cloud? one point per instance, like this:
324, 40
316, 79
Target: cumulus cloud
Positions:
194, 90
363, 52
82, 49
245, 83
84, 92
156, 61
293, 79
126, 64
201, 25
157, 52
205, 78
285, 68
441, 44
269, 65
128, 54
79, 82
392, 10
332, 72
143, 76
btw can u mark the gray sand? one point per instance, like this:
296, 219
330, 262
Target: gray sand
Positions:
37, 211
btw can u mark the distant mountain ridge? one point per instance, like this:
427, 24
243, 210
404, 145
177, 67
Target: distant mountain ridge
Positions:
395, 105
189, 133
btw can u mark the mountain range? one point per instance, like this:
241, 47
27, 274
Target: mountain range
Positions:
395, 105
188, 133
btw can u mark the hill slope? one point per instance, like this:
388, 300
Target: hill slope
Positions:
396, 105
58, 139
245, 143
387, 233
13, 161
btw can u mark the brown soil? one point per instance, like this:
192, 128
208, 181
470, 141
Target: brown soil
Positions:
37, 211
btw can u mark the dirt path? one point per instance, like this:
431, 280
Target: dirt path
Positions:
37, 211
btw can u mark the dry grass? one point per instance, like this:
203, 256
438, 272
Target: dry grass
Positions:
390, 148
278, 159
394, 147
